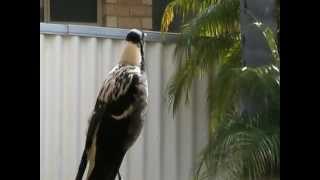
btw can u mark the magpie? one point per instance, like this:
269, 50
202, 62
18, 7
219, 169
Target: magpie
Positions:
118, 115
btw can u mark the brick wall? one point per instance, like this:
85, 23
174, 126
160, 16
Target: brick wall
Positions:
128, 14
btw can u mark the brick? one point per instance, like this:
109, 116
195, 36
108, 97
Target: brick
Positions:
123, 11
111, 10
147, 23
145, 11
116, 10
129, 22
129, 2
111, 21
111, 1
147, 2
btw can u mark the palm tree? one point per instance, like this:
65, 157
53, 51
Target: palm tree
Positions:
243, 102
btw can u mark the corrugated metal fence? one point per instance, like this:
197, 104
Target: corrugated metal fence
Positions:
72, 70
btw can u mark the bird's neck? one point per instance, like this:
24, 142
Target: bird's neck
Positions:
131, 55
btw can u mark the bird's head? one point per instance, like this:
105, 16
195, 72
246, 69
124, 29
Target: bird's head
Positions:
136, 36
134, 52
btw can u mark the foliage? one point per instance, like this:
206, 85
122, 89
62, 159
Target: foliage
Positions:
243, 102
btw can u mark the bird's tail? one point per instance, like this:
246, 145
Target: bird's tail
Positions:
107, 166
82, 166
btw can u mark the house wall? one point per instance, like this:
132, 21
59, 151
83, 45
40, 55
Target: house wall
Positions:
128, 13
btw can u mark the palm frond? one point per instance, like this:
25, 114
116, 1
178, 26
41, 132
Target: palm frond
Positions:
243, 102
168, 16
181, 83
205, 50
238, 148
180, 7
231, 135
223, 88
205, 10
197, 60
258, 88
216, 20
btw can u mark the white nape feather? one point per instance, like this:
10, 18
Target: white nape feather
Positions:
131, 54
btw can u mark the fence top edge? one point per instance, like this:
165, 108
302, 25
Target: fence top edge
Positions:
101, 32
